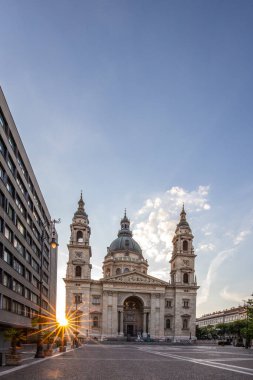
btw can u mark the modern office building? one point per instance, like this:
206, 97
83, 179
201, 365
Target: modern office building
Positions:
127, 301
25, 230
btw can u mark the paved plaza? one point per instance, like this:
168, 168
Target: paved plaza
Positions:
139, 362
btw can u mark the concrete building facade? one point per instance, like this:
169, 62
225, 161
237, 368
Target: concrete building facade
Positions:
127, 301
25, 223
223, 316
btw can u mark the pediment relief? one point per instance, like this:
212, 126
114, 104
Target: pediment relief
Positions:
136, 277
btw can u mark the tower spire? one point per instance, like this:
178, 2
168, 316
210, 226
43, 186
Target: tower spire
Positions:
80, 209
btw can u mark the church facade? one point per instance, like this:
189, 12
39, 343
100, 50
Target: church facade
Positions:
127, 301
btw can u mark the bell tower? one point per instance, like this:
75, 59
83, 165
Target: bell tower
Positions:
183, 257
79, 267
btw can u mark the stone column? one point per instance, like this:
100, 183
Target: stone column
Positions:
144, 324
121, 323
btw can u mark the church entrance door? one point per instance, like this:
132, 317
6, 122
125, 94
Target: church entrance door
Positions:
133, 316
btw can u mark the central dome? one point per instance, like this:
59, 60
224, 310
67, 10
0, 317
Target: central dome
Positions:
124, 243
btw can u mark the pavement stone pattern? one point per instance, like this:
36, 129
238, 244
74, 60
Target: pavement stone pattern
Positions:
139, 362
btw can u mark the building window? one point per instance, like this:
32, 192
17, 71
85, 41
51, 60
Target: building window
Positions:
185, 324
126, 270
12, 142
28, 275
1, 173
8, 233
20, 227
108, 273
185, 278
45, 305
79, 236
168, 324
11, 212
17, 308
2, 147
186, 304
7, 256
26, 311
28, 257
36, 233
185, 245
35, 282
35, 265
45, 291
17, 287
20, 205
34, 298
2, 123
29, 220
45, 277
10, 188
27, 294
118, 271
2, 199
78, 271
95, 322
18, 267
95, 300
7, 280
6, 303
21, 185
22, 166
168, 303
77, 298
45, 263
19, 247
11, 165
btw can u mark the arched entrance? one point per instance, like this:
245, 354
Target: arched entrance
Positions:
133, 316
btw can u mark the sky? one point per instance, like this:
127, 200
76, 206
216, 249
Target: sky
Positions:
143, 105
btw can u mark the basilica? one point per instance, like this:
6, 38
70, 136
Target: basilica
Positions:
128, 302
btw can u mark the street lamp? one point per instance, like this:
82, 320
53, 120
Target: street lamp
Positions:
76, 332
53, 244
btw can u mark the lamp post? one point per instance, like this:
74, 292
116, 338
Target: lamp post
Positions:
53, 244
76, 332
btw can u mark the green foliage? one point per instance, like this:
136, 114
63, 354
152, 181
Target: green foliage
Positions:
15, 336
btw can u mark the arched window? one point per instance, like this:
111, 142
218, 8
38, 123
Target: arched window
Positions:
185, 324
79, 236
95, 322
185, 245
118, 271
167, 323
108, 272
78, 271
185, 278
126, 270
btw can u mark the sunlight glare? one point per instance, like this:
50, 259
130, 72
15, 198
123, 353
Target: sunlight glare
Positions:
62, 320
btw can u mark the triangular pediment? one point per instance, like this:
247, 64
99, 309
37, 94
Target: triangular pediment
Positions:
135, 277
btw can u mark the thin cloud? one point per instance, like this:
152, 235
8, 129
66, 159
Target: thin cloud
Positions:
231, 296
155, 222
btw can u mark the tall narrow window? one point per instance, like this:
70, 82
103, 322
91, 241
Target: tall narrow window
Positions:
185, 245
79, 236
95, 322
167, 323
185, 278
185, 324
78, 271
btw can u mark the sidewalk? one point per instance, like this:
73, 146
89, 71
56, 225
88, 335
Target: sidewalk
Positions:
27, 358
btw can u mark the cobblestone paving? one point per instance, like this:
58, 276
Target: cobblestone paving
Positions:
105, 362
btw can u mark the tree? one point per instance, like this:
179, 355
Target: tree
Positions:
14, 336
